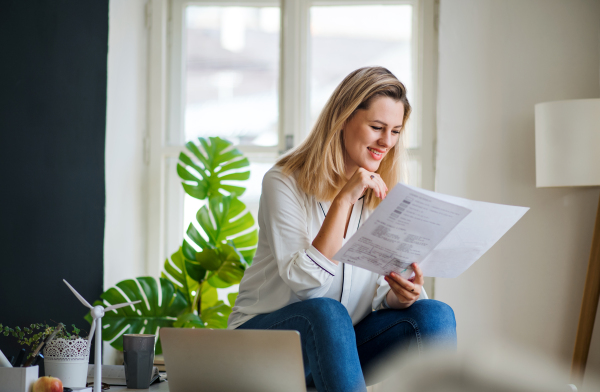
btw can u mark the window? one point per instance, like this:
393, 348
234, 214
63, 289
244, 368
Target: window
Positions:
230, 80
258, 73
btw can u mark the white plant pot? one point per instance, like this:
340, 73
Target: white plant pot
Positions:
67, 359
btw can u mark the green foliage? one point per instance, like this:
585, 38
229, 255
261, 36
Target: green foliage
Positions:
189, 320
34, 334
217, 251
225, 231
189, 286
165, 304
216, 316
212, 170
209, 296
225, 219
231, 297
225, 265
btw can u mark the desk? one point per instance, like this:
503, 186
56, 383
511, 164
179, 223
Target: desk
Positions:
158, 387
164, 387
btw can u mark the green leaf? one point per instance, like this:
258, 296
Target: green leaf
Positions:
195, 270
188, 250
216, 316
210, 297
231, 268
225, 219
196, 237
246, 240
209, 259
189, 320
242, 176
235, 165
204, 168
231, 297
215, 281
148, 318
177, 272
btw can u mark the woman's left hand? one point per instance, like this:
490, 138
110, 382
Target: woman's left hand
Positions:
404, 292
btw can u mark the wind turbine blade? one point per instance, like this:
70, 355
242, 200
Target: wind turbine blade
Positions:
79, 297
117, 306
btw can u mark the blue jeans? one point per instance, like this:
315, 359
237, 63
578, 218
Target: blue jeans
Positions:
336, 354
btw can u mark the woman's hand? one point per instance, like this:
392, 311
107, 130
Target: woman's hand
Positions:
359, 182
331, 235
404, 292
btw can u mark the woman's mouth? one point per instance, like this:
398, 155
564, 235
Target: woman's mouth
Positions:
376, 154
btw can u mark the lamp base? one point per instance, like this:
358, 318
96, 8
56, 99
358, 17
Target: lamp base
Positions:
589, 306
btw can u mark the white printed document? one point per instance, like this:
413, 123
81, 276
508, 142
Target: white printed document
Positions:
444, 234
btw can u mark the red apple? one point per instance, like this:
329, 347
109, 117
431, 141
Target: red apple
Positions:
48, 384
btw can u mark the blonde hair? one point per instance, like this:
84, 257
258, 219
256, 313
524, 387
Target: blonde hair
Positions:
318, 163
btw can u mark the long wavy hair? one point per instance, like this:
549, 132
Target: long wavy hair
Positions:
318, 162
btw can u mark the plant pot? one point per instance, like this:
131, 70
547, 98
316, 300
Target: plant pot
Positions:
67, 359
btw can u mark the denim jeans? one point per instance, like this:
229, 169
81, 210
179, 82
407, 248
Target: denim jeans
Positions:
336, 354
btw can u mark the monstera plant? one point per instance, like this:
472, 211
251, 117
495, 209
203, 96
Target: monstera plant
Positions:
218, 249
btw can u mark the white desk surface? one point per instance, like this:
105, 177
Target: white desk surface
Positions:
164, 387
158, 387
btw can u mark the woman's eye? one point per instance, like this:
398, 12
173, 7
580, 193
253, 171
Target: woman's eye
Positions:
395, 132
376, 128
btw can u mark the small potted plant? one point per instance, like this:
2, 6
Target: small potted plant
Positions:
65, 357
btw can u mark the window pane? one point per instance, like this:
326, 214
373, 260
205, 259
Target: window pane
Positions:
344, 38
232, 71
413, 171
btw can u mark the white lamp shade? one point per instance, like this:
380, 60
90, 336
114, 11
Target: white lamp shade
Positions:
567, 143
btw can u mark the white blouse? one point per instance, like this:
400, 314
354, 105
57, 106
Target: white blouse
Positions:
288, 269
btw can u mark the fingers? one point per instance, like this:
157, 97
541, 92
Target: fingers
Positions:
406, 291
418, 278
375, 182
404, 283
404, 296
412, 286
360, 181
382, 189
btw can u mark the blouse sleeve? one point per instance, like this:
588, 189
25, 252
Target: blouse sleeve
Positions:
283, 220
383, 287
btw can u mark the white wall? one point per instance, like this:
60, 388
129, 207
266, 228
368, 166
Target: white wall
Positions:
125, 227
124, 236
497, 59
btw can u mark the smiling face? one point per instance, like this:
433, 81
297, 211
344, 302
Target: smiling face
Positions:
370, 134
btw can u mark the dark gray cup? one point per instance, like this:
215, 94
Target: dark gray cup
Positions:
138, 354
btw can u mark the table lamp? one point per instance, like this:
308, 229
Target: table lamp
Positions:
567, 153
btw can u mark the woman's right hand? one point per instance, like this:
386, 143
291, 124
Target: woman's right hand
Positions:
329, 239
359, 182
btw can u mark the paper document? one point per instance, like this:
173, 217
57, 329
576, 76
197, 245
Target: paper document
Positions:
444, 234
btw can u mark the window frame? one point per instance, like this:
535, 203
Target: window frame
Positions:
165, 63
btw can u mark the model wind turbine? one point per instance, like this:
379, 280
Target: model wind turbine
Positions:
97, 313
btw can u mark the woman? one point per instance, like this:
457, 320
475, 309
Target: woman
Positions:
312, 200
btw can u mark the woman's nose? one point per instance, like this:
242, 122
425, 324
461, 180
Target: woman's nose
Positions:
386, 140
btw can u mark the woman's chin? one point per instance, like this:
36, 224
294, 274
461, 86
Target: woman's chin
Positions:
371, 166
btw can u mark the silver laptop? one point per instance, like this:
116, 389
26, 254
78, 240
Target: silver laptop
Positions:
232, 360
